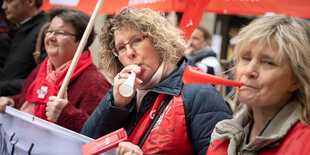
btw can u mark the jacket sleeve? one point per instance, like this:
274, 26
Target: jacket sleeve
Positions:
21, 97
204, 107
106, 118
9, 87
4, 44
83, 95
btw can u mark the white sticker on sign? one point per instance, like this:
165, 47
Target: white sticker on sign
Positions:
66, 2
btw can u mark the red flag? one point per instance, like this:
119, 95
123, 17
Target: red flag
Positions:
192, 16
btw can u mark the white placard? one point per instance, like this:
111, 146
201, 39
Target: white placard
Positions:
65, 2
21, 134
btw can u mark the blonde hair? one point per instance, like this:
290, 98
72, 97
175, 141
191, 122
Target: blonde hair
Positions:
292, 36
166, 39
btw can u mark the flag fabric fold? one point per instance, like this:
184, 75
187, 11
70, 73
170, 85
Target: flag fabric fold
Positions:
192, 16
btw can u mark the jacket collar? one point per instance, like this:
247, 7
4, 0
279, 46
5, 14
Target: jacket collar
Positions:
237, 130
35, 20
203, 52
172, 85
277, 128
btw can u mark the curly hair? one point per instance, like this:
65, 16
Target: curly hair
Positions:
292, 36
166, 38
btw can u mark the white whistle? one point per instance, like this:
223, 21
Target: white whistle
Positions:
126, 89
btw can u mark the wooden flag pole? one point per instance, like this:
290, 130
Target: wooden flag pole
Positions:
79, 49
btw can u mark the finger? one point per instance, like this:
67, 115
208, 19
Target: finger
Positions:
50, 107
122, 148
138, 81
52, 98
2, 109
118, 80
61, 103
51, 116
6, 101
119, 150
48, 104
130, 68
121, 76
128, 148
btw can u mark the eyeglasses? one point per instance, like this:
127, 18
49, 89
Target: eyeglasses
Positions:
133, 43
58, 33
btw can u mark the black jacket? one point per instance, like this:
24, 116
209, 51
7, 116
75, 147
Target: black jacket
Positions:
5, 41
204, 107
20, 61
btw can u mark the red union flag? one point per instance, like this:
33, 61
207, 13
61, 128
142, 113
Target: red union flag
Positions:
192, 16
299, 8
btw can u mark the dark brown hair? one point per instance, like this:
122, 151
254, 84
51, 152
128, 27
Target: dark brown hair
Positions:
78, 19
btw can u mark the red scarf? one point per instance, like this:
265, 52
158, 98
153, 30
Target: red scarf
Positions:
41, 89
140, 129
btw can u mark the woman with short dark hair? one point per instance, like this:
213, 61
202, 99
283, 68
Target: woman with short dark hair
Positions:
86, 87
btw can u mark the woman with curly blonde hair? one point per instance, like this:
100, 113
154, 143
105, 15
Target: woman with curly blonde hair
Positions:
272, 60
162, 116
164, 36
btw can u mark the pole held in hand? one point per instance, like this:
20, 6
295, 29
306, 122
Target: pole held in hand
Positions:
79, 49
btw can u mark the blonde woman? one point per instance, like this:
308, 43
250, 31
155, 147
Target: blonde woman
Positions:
163, 116
272, 60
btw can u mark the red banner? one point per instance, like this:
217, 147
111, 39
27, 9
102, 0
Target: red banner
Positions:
192, 16
299, 8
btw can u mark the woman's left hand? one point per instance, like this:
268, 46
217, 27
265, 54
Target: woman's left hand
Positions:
127, 148
55, 106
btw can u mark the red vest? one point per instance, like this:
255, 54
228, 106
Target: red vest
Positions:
169, 135
295, 142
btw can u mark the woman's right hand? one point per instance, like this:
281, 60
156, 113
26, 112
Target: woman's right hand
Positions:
6, 101
120, 78
127, 148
